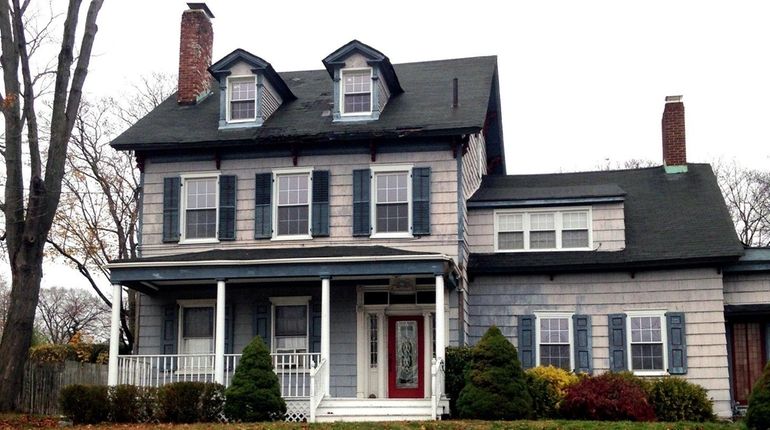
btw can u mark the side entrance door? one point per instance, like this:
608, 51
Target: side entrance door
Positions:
748, 358
405, 357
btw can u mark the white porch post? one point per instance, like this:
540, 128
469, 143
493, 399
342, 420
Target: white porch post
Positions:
219, 337
440, 319
325, 332
112, 368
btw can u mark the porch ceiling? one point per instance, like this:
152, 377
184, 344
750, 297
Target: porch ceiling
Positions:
339, 262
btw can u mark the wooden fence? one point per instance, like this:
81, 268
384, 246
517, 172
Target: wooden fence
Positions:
44, 381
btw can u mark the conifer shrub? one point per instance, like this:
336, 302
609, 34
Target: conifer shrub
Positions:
675, 399
495, 385
255, 392
758, 414
607, 397
85, 404
458, 361
547, 386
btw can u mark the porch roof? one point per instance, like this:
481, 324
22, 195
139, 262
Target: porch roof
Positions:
147, 274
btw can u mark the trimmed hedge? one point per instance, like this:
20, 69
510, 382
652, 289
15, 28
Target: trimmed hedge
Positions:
179, 402
85, 404
458, 361
547, 386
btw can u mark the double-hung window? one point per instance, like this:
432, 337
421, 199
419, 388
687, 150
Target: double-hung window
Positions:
292, 211
554, 340
290, 329
200, 215
356, 91
543, 229
392, 201
196, 334
242, 95
647, 340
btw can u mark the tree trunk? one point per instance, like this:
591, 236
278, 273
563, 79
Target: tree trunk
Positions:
26, 269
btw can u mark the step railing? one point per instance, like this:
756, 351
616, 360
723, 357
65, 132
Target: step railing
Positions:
155, 370
318, 386
437, 374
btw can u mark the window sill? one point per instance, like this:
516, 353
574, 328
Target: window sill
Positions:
292, 237
391, 236
546, 250
196, 241
650, 372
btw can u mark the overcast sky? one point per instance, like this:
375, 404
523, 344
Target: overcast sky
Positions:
581, 82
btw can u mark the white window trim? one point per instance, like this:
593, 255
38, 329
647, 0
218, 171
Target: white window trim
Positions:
663, 338
558, 211
183, 206
342, 91
293, 171
195, 303
393, 168
256, 96
570, 335
290, 301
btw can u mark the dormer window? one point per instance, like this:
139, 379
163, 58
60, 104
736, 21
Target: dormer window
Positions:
243, 99
357, 91
363, 81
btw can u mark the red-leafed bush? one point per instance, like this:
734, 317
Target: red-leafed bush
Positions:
607, 397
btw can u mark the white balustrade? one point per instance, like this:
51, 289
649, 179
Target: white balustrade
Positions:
293, 370
318, 388
437, 373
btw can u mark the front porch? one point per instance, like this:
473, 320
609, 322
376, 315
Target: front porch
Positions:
363, 340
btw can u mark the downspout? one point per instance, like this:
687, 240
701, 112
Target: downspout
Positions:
460, 252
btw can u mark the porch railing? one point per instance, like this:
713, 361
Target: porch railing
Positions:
437, 381
292, 369
318, 386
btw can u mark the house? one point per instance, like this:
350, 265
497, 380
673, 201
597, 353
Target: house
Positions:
359, 219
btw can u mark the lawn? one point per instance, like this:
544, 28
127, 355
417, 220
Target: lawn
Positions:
24, 421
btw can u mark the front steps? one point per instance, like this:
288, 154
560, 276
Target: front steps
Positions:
331, 410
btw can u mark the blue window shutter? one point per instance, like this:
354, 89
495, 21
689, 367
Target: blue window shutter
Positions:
320, 203
677, 343
263, 210
582, 327
617, 339
526, 329
361, 196
315, 326
229, 329
421, 201
168, 336
227, 206
171, 192
261, 326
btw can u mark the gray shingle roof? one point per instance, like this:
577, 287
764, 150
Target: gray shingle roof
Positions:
670, 219
423, 109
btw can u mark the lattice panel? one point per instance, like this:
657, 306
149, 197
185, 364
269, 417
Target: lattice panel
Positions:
297, 410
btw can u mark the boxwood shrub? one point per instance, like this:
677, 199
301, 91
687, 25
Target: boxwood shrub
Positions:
85, 404
675, 399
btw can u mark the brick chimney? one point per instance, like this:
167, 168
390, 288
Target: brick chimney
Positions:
195, 46
672, 125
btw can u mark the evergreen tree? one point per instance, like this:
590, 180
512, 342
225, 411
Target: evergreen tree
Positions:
758, 415
495, 386
255, 393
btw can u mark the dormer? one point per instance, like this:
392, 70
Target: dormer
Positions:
364, 81
250, 90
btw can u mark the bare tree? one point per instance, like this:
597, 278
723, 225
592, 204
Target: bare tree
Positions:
62, 312
98, 213
5, 301
29, 216
747, 195
631, 163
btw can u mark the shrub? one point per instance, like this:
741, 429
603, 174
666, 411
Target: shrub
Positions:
758, 414
188, 402
255, 393
547, 386
675, 399
458, 360
124, 403
211, 404
607, 397
85, 404
495, 385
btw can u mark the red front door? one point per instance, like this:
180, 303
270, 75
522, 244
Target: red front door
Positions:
405, 357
